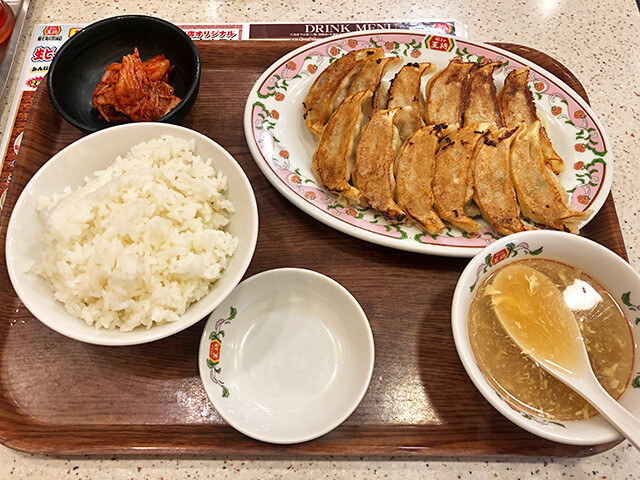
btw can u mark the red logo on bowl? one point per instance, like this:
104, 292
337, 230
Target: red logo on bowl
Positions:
214, 351
499, 256
52, 30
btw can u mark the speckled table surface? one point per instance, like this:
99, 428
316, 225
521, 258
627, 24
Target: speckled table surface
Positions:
597, 41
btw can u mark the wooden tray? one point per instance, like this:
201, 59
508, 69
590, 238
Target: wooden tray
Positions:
61, 396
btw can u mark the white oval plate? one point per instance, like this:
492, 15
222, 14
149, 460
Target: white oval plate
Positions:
283, 147
81, 159
287, 357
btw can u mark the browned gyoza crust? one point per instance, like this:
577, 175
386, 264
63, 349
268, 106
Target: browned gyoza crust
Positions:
405, 92
516, 106
375, 155
331, 87
494, 192
334, 157
445, 94
540, 195
480, 102
415, 169
516, 101
380, 95
370, 76
452, 184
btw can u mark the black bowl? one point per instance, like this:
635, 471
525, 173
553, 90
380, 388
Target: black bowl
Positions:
78, 67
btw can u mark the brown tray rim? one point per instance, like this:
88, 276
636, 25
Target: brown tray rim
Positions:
136, 438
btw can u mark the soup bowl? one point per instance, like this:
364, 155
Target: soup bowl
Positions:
605, 267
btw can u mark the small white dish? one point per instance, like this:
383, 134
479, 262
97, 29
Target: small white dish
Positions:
601, 264
287, 357
69, 167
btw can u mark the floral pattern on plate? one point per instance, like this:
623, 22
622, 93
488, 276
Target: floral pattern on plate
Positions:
215, 347
633, 310
283, 147
510, 250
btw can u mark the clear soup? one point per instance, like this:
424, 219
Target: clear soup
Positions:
607, 337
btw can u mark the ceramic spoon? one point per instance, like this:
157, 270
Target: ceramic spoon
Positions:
534, 313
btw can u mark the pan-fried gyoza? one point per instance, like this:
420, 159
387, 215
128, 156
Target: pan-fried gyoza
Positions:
515, 99
452, 182
380, 95
405, 92
540, 195
445, 94
375, 156
494, 192
371, 73
517, 106
480, 101
334, 158
457, 151
331, 87
415, 169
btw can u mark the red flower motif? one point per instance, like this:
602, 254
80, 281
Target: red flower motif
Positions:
284, 154
499, 256
415, 53
578, 165
556, 110
275, 115
512, 407
279, 97
352, 43
333, 51
389, 45
583, 199
579, 147
291, 65
295, 179
578, 114
539, 86
352, 212
309, 195
312, 68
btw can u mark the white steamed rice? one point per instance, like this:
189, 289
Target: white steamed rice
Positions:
142, 240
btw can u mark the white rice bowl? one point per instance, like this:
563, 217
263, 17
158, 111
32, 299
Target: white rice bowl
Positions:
129, 252
141, 240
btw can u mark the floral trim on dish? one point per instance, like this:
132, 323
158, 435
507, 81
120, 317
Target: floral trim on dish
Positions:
586, 167
529, 416
626, 299
214, 350
509, 250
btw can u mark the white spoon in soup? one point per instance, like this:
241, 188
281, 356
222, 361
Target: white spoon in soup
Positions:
534, 313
